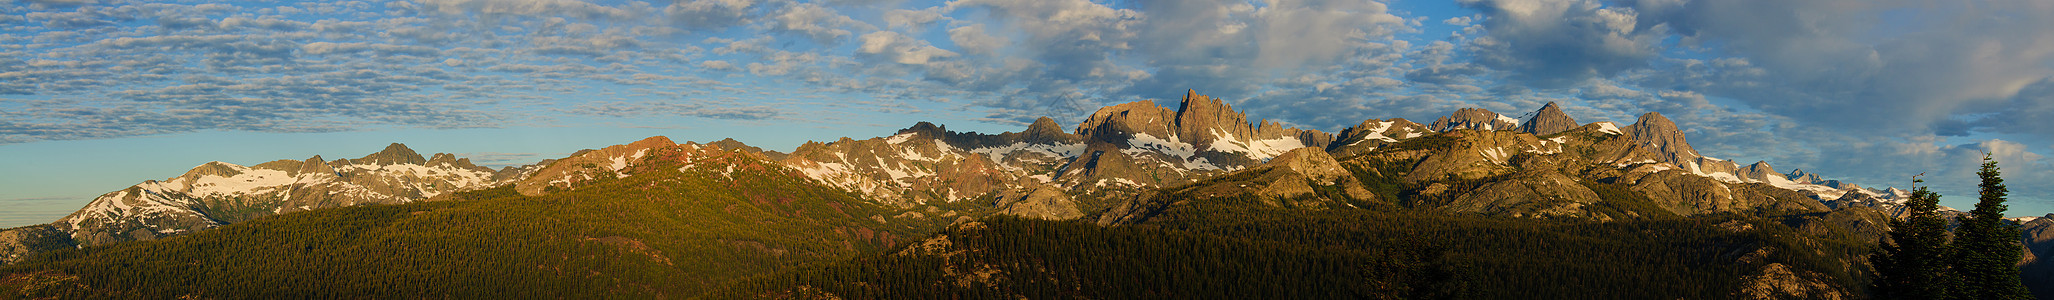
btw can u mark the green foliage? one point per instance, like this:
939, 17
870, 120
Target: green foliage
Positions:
1005, 257
1915, 266
1385, 178
1622, 202
666, 234
1986, 248
1237, 247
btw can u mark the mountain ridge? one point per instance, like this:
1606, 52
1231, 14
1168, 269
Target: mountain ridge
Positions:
1118, 152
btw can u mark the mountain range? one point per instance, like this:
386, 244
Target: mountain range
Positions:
1132, 165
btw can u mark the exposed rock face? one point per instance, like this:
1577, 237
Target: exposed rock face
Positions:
1477, 154
1689, 194
1294, 174
2037, 267
19, 243
732, 144
1759, 171
1800, 176
1373, 134
1474, 119
586, 165
1536, 194
1660, 134
218, 193
1777, 281
1045, 202
1116, 152
395, 154
1548, 120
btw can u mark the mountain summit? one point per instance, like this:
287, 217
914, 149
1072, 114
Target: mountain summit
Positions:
1548, 120
395, 154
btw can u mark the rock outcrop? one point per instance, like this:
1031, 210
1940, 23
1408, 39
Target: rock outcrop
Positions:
1474, 119
219, 193
1373, 134
587, 165
19, 243
1548, 120
1530, 195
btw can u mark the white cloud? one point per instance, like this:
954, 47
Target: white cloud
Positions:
972, 39
1559, 43
709, 14
899, 48
822, 24
530, 8
913, 20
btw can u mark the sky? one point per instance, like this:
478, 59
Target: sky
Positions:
97, 95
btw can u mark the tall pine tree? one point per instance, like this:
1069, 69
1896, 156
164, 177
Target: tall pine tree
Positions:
1915, 265
1986, 249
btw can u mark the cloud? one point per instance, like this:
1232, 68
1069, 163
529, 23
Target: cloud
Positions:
822, 24
709, 14
645, 109
1560, 43
972, 39
899, 48
510, 8
913, 20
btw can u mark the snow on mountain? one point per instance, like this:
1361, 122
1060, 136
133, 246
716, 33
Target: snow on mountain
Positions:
219, 193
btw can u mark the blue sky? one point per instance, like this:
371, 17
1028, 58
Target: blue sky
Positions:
96, 95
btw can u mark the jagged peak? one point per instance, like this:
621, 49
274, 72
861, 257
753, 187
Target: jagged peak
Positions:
1654, 119
396, 153
1475, 119
929, 129
442, 158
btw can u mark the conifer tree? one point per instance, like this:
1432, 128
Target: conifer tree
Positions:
1987, 249
1915, 266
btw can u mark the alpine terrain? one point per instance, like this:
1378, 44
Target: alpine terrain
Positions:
1138, 200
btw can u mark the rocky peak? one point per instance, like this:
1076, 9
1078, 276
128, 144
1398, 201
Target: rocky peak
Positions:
649, 142
442, 158
928, 130
589, 164
1800, 176
731, 143
1117, 123
314, 165
1046, 131
394, 154
1759, 171
213, 168
1657, 132
1474, 119
1548, 120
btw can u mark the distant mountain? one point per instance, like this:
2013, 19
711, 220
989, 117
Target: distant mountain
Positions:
219, 193
1194, 172
688, 218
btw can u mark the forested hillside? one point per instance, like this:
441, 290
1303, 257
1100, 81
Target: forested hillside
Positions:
666, 232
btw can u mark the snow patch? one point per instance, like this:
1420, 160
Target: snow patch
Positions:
900, 138
1609, 127
1144, 142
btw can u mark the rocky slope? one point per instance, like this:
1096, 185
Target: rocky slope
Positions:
218, 193
1473, 160
1548, 120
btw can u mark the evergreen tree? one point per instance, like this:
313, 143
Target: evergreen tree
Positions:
1915, 265
1987, 249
